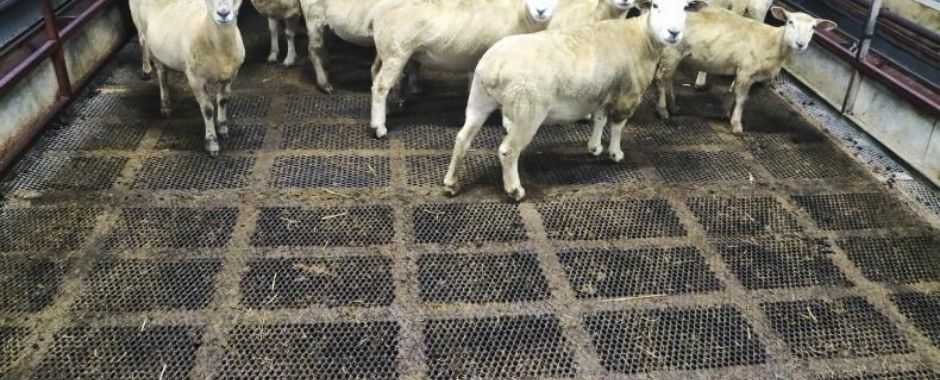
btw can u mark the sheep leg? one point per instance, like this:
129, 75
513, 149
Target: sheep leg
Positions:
145, 67
595, 146
165, 104
742, 86
290, 30
221, 118
619, 117
275, 46
520, 135
479, 107
376, 66
701, 81
317, 51
207, 106
385, 80
411, 78
664, 84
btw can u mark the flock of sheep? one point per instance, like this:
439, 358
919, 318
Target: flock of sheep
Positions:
538, 61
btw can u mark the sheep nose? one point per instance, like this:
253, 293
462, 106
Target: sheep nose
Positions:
800, 45
224, 13
541, 12
674, 32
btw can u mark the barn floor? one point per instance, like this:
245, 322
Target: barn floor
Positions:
310, 249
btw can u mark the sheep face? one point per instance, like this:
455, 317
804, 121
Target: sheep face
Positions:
541, 10
622, 4
800, 27
223, 11
667, 18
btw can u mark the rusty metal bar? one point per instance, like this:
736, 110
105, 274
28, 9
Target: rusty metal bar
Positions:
58, 58
848, 106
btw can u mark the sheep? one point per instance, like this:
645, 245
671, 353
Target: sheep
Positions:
755, 9
558, 76
720, 42
201, 39
275, 10
571, 13
448, 35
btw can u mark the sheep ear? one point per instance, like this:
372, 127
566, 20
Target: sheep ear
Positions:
644, 4
825, 25
696, 5
779, 13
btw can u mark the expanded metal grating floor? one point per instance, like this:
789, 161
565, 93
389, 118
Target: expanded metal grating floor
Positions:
311, 250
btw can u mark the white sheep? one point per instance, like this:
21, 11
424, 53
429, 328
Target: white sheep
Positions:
755, 9
571, 13
447, 35
275, 11
201, 39
720, 42
558, 76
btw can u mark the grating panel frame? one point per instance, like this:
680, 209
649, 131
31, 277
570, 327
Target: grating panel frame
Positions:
923, 310
528, 346
640, 341
352, 226
330, 171
477, 169
677, 131
172, 227
578, 169
701, 167
481, 278
358, 350
11, 342
199, 172
456, 223
52, 229
361, 281
781, 263
895, 260
91, 135
726, 216
189, 135
613, 273
27, 284
905, 375
136, 285
442, 137
248, 107
808, 163
121, 353
59, 172
110, 105
606, 220
842, 328
354, 106
854, 211
331, 136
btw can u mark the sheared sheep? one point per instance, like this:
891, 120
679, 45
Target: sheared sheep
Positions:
274, 11
720, 42
571, 13
201, 39
755, 9
448, 35
558, 76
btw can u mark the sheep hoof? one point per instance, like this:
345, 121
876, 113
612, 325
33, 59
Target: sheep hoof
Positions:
616, 156
737, 129
517, 194
662, 113
165, 111
596, 150
289, 62
327, 88
212, 146
145, 75
700, 86
380, 132
451, 190
223, 132
272, 57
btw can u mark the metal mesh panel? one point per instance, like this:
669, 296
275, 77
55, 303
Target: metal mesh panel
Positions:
924, 193
677, 131
57, 172
481, 278
296, 283
497, 347
674, 339
189, 135
822, 162
781, 263
331, 171
742, 216
604, 273
44, 229
477, 169
28, 284
89, 135
319, 135
853, 211
248, 107
895, 260
331, 227
109, 105
842, 328
125, 353
906, 375
467, 223
141, 285
700, 167
923, 310
442, 137
565, 136
603, 220
200, 172
578, 169
312, 351
11, 342
173, 227
784, 139
337, 105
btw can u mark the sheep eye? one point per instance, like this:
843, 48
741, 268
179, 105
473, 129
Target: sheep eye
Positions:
655, 6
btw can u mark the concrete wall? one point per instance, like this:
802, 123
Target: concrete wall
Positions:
924, 12
909, 132
33, 98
